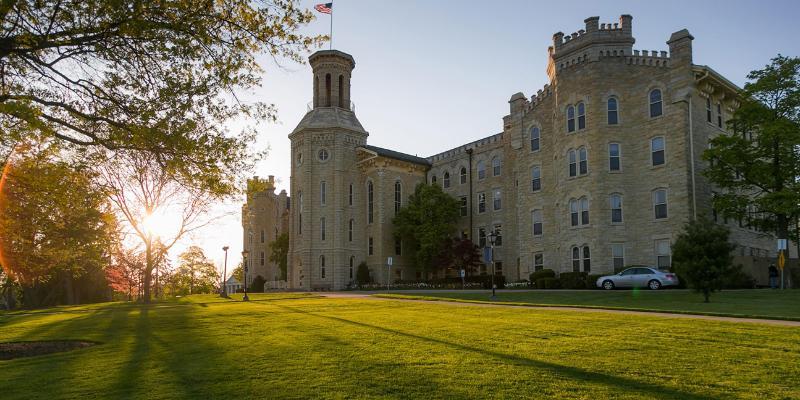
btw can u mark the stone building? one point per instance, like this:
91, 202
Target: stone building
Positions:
265, 216
600, 168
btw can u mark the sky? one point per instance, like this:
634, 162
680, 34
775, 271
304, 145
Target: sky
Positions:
432, 75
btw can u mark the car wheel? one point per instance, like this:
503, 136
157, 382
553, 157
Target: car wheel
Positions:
654, 285
608, 285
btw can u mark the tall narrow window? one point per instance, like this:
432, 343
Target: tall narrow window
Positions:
481, 202
535, 139
719, 115
708, 110
350, 195
573, 212
263, 236
322, 192
481, 170
663, 254
570, 119
573, 164
482, 237
446, 180
614, 163
398, 196
350, 230
300, 213
582, 161
498, 238
617, 256
536, 218
352, 262
576, 259
463, 205
433, 179
497, 200
262, 258
536, 179
327, 90
584, 202
369, 246
322, 228
463, 175
613, 116
322, 266
660, 203
655, 103
496, 168
587, 264
657, 151
341, 92
616, 208
370, 207
398, 247
581, 116
538, 261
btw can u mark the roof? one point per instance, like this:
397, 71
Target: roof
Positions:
232, 281
396, 155
718, 76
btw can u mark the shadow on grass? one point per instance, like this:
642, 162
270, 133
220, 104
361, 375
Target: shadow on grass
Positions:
624, 385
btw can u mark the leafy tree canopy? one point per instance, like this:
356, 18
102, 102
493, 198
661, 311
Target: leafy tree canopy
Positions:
195, 273
279, 253
702, 256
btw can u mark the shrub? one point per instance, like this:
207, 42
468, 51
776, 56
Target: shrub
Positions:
545, 273
738, 279
362, 274
548, 283
257, 286
591, 280
573, 280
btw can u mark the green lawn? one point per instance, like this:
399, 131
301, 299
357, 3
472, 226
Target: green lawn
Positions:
761, 303
297, 346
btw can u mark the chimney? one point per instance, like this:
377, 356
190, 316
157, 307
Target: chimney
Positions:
592, 24
680, 46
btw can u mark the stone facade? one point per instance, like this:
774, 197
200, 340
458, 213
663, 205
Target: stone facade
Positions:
265, 216
600, 167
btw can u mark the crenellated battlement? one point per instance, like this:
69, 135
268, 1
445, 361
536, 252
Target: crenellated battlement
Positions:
587, 44
461, 149
655, 59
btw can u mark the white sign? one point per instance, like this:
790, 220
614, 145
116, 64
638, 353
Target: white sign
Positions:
389, 261
461, 273
782, 244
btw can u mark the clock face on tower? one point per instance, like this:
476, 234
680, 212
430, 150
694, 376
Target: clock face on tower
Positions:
323, 155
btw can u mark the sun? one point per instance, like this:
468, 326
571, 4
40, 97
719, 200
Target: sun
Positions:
161, 223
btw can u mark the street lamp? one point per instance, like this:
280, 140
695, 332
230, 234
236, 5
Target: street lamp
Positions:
244, 262
225, 273
492, 238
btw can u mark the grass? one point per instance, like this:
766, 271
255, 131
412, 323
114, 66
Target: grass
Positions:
763, 303
301, 346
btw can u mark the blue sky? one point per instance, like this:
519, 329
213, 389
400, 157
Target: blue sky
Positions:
432, 75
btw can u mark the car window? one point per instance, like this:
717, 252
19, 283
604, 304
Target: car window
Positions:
629, 271
643, 271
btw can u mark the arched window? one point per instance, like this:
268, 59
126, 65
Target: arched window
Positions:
536, 218
535, 139
581, 116
446, 179
615, 201
570, 119
263, 236
583, 163
496, 168
657, 151
613, 115
398, 196
341, 92
660, 203
708, 110
587, 265
322, 266
573, 163
463, 175
481, 170
327, 90
573, 212
655, 103
584, 203
352, 262
370, 207
536, 179
719, 115
433, 179
350, 230
576, 259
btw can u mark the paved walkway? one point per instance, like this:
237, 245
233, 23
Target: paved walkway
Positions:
368, 296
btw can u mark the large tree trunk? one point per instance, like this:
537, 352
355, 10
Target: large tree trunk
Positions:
148, 271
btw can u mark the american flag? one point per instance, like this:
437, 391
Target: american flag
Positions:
325, 8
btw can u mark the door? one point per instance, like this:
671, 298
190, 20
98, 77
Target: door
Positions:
642, 277
625, 278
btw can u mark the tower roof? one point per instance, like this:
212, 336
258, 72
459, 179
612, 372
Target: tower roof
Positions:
322, 54
330, 117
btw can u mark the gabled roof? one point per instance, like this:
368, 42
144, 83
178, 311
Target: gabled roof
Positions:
396, 155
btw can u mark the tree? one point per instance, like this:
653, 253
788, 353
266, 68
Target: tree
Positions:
157, 77
55, 227
466, 255
238, 272
362, 274
702, 255
279, 253
426, 223
195, 273
257, 285
124, 273
758, 166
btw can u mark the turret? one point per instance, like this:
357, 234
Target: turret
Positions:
332, 69
680, 46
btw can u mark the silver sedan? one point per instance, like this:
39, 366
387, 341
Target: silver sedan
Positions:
652, 278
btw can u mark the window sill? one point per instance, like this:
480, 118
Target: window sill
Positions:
615, 172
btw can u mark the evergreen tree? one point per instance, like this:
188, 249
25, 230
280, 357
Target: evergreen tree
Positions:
702, 255
279, 253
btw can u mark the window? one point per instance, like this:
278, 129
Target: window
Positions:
300, 213
481, 170
481, 202
498, 231
446, 179
352, 262
433, 179
719, 115
398, 196
482, 237
582, 162
350, 195
573, 212
655, 103
498, 268
535, 138
350, 230
573, 166
538, 261
322, 193
463, 175
496, 166
663, 254
263, 236
463, 203
614, 163
660, 203
708, 110
613, 116
570, 119
536, 179
369, 249
321, 266
536, 217
657, 151
322, 228
262, 258
576, 259
617, 256
587, 264
616, 208
370, 207
584, 202
323, 155
398, 246
496, 200
581, 116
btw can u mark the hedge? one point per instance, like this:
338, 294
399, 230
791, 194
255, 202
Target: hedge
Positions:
545, 273
548, 283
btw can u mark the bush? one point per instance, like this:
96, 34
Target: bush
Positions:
257, 285
545, 273
548, 283
573, 280
362, 274
738, 279
591, 281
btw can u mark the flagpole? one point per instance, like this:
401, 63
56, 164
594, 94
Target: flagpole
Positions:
330, 44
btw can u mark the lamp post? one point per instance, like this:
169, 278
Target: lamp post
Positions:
224, 292
244, 263
492, 239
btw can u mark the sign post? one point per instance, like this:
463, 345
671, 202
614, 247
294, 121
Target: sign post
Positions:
463, 274
388, 273
782, 247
